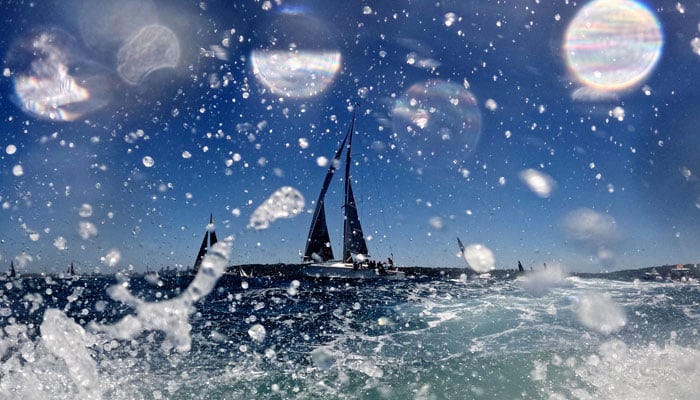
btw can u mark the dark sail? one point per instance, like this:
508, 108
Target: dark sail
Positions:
461, 246
318, 243
12, 269
207, 242
212, 238
201, 253
354, 239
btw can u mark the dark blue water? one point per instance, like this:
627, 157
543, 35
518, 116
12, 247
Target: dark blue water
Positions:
289, 337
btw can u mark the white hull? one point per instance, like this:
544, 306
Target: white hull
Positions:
341, 270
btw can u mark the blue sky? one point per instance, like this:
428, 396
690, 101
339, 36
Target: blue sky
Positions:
512, 126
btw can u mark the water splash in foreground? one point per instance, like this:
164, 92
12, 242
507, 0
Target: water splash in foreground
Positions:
64, 342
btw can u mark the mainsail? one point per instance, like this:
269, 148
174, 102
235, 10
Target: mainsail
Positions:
207, 242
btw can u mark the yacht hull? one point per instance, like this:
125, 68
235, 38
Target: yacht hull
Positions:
339, 270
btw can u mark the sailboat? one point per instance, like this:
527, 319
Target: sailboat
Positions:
355, 263
207, 243
151, 275
653, 275
471, 271
12, 273
71, 270
244, 274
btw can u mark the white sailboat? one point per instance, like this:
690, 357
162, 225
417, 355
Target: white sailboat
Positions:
244, 274
355, 263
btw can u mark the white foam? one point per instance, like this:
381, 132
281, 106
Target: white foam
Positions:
62, 363
600, 313
639, 373
170, 316
540, 282
69, 342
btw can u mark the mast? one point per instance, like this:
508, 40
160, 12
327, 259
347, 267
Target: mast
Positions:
353, 237
318, 241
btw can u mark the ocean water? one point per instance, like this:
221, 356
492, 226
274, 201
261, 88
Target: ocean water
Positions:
542, 336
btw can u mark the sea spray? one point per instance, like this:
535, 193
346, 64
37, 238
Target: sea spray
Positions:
599, 312
646, 372
540, 282
69, 342
74, 347
169, 316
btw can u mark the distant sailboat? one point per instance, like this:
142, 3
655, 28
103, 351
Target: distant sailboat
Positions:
472, 272
243, 274
12, 272
207, 242
151, 274
71, 270
653, 275
318, 255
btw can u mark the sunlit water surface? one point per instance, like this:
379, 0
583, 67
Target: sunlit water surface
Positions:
420, 338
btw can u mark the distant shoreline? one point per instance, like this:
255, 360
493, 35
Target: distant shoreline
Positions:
284, 269
292, 270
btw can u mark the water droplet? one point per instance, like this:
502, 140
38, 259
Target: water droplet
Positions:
85, 210
257, 332
611, 45
450, 19
148, 161
17, 170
